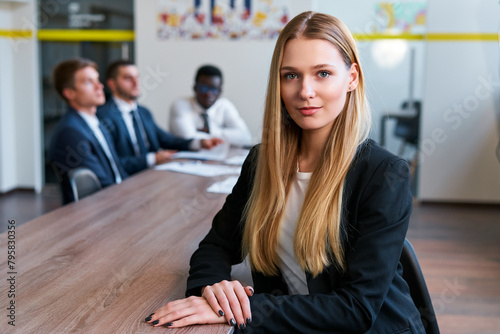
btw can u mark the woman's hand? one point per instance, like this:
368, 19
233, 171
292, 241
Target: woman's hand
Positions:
184, 312
230, 299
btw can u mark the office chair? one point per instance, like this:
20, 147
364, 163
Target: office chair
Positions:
412, 274
407, 126
83, 182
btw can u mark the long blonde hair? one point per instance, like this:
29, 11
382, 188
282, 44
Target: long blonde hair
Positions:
317, 241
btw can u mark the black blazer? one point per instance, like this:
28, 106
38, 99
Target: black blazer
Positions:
73, 144
370, 297
112, 118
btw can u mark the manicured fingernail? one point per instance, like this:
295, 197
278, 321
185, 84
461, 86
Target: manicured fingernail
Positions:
242, 326
221, 313
249, 320
232, 322
148, 318
155, 322
168, 324
251, 290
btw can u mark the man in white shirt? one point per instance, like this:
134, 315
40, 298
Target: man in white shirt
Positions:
139, 141
79, 139
206, 114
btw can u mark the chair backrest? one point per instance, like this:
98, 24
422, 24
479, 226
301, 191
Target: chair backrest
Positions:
83, 182
408, 128
412, 274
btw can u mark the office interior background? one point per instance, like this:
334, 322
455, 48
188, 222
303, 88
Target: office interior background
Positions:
450, 66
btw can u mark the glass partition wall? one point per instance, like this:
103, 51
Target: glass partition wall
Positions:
391, 40
89, 29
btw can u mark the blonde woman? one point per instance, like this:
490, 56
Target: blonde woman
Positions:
320, 210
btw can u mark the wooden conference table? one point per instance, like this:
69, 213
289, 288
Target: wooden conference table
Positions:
103, 264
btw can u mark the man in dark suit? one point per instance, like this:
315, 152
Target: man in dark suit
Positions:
139, 141
79, 139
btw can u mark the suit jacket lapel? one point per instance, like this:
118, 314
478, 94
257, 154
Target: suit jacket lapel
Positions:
85, 127
101, 155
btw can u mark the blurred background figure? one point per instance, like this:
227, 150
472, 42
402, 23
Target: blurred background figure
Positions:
206, 114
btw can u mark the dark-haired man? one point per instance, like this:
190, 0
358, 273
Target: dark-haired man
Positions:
79, 139
139, 141
206, 114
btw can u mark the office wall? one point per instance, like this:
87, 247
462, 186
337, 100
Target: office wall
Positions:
461, 114
458, 82
7, 152
245, 65
20, 138
457, 157
386, 65
168, 67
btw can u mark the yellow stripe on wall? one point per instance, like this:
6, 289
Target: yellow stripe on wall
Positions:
86, 35
68, 35
449, 37
373, 37
433, 37
16, 33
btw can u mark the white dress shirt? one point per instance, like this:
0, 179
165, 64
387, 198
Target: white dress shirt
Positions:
223, 119
93, 122
293, 274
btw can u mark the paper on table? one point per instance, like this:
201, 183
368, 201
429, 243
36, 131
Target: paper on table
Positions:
237, 159
218, 153
223, 187
199, 168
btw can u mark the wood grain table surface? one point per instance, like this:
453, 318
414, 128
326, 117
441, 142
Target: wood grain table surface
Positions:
103, 264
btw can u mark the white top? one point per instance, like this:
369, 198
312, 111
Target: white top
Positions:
293, 274
224, 121
93, 122
125, 108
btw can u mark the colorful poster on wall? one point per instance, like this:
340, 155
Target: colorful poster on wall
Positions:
221, 19
401, 17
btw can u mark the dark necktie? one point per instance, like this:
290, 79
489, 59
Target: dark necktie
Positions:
206, 128
140, 134
112, 158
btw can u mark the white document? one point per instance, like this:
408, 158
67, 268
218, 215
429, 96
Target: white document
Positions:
199, 168
218, 153
223, 187
237, 159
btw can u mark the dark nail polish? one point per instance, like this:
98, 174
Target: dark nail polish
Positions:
168, 324
251, 290
149, 317
232, 322
242, 326
249, 320
221, 313
155, 322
